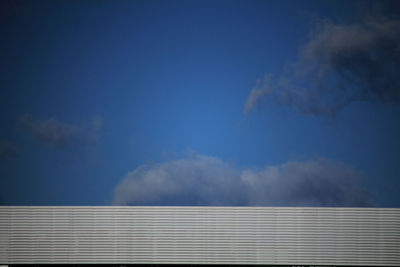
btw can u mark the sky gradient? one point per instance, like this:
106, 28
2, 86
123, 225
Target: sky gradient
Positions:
260, 103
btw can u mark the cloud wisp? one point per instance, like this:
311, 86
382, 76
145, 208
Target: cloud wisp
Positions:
7, 150
203, 180
339, 65
58, 134
262, 89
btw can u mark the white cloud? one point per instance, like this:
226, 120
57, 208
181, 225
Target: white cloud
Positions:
203, 180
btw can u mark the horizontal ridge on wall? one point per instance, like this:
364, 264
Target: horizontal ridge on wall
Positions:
199, 235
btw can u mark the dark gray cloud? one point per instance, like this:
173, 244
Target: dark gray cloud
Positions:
203, 180
340, 64
7, 150
58, 134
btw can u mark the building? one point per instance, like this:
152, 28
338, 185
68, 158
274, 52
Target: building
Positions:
199, 235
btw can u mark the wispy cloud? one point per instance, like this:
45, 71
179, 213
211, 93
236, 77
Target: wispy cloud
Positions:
59, 134
203, 180
262, 89
340, 64
51, 131
7, 150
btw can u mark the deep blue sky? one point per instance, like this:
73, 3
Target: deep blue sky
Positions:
93, 90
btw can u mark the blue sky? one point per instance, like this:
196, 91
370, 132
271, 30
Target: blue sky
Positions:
157, 103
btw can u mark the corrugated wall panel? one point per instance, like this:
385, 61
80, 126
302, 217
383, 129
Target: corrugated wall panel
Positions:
200, 235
